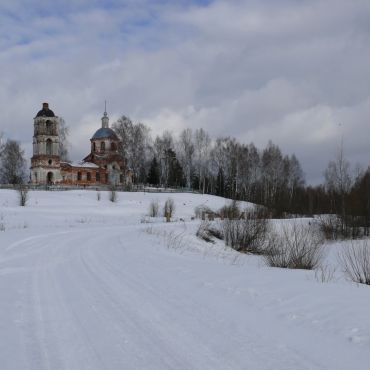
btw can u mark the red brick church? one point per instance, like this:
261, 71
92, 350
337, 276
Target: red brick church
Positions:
104, 165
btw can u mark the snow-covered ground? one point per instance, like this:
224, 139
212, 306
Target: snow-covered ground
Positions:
88, 284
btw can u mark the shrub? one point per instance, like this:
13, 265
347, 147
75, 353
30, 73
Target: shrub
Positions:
22, 195
355, 262
298, 246
325, 273
203, 232
336, 227
216, 231
169, 209
200, 210
153, 208
113, 194
330, 226
231, 211
246, 235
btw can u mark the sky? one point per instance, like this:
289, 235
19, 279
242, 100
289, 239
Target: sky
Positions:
296, 72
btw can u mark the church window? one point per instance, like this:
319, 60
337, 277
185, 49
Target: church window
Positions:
49, 145
79, 176
102, 146
50, 161
88, 176
113, 146
121, 179
97, 176
49, 128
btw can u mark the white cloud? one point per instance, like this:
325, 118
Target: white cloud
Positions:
282, 70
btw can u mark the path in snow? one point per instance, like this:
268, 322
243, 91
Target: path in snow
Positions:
107, 299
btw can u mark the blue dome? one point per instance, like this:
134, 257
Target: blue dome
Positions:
105, 133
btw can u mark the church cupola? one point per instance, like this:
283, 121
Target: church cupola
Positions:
105, 118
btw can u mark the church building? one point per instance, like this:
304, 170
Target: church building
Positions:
104, 165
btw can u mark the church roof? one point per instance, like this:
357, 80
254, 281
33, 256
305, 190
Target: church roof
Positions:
84, 164
105, 132
80, 164
45, 111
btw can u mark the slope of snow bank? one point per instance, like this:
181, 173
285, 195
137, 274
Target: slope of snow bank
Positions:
85, 285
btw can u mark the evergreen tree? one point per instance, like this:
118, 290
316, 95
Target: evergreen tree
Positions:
175, 171
153, 175
220, 184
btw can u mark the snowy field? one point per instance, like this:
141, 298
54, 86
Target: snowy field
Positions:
88, 284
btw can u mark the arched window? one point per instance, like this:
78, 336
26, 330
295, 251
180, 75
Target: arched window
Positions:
113, 146
79, 176
94, 147
49, 127
102, 146
88, 176
97, 176
49, 147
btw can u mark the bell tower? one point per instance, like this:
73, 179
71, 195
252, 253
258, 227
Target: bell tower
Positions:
45, 162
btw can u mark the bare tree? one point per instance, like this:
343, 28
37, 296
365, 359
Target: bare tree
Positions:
186, 151
163, 146
338, 183
202, 148
1, 142
294, 176
272, 173
12, 164
63, 140
123, 129
225, 156
253, 174
135, 149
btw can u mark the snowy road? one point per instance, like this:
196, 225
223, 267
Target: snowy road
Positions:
117, 298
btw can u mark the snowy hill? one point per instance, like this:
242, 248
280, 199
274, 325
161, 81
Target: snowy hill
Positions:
88, 284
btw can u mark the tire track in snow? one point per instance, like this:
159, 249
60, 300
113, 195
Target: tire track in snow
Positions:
190, 337
94, 302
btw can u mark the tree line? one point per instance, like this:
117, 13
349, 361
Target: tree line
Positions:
240, 171
223, 167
